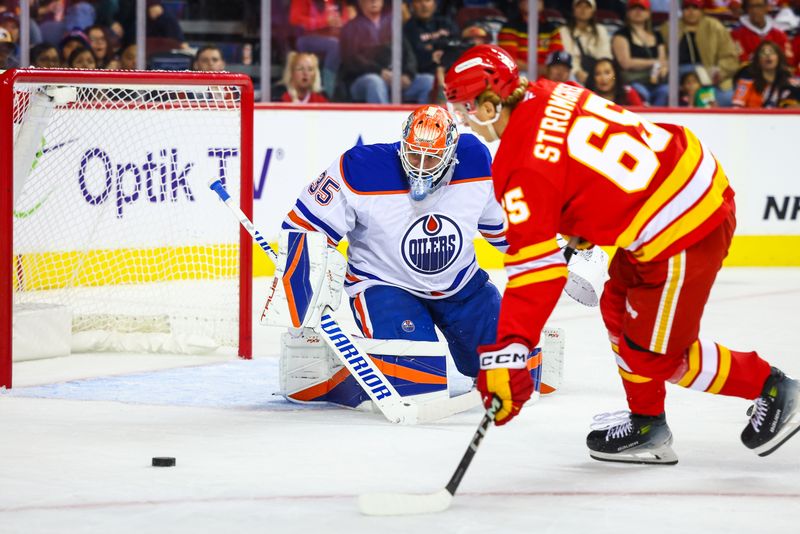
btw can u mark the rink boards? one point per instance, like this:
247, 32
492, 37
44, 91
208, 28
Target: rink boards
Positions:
757, 150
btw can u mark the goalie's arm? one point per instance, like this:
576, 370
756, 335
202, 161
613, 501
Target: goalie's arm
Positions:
323, 206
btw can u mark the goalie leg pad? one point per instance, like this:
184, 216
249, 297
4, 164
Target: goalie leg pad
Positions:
311, 372
309, 277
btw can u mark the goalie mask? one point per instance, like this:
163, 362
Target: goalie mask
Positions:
427, 150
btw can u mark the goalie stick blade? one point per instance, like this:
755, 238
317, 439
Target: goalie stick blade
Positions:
404, 503
432, 411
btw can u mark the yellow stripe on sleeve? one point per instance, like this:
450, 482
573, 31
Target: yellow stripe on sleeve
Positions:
532, 251
543, 275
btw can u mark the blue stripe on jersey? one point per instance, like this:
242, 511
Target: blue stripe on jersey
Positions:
502, 243
316, 221
361, 273
459, 277
490, 227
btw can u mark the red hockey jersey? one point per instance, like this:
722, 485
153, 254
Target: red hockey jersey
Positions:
571, 162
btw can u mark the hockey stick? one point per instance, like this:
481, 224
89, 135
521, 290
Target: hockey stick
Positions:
359, 364
409, 503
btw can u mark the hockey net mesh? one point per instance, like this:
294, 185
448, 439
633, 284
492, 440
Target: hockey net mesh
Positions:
111, 210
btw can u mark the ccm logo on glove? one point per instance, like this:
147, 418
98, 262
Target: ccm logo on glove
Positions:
510, 360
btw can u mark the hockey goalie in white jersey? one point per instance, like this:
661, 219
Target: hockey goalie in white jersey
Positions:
410, 211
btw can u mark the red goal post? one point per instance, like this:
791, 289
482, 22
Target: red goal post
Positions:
106, 220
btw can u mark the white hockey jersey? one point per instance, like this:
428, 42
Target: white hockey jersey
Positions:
425, 247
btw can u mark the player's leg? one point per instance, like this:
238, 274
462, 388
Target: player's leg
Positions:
468, 319
634, 436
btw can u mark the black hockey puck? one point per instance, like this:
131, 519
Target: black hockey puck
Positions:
163, 461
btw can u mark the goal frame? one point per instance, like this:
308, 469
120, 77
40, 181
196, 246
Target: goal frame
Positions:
10, 78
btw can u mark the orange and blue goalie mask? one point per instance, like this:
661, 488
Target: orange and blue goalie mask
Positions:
427, 150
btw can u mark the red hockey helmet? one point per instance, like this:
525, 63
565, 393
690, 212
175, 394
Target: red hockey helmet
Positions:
479, 68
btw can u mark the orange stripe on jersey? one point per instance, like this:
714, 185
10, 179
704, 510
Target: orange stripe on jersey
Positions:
470, 180
493, 236
694, 366
404, 373
678, 178
540, 275
689, 221
362, 316
300, 222
530, 252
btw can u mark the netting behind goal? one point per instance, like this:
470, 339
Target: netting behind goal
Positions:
110, 211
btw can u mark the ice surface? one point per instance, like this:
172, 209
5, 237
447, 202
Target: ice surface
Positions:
78, 434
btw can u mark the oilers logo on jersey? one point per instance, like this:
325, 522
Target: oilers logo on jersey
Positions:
431, 244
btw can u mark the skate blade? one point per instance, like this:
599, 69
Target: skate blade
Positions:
790, 428
660, 456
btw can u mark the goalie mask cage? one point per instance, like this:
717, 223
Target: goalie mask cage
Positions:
106, 218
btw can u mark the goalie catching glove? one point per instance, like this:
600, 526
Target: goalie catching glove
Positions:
504, 373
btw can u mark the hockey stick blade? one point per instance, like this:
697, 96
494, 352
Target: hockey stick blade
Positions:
437, 409
412, 504
404, 503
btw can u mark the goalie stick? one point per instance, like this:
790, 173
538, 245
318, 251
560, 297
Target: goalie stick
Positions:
411, 503
359, 364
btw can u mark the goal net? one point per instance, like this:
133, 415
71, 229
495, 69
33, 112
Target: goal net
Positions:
109, 230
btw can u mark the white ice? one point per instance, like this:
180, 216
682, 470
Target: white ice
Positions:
77, 435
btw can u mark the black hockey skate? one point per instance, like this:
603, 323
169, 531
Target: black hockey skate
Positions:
630, 438
775, 415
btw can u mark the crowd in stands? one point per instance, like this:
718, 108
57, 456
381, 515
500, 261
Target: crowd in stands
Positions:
616, 47
730, 52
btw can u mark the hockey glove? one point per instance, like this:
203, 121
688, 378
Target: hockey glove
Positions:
504, 373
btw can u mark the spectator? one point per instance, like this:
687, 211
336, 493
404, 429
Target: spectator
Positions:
45, 56
10, 24
706, 49
127, 58
607, 81
99, 39
209, 59
757, 26
321, 22
7, 59
585, 39
766, 82
162, 24
694, 94
301, 79
366, 59
559, 66
514, 37
428, 34
71, 41
82, 58
475, 34
642, 54
79, 15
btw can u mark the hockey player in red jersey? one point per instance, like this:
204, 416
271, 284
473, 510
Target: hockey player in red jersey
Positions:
573, 163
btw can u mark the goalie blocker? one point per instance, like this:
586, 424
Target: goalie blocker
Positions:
309, 279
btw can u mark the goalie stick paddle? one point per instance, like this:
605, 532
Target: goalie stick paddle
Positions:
429, 503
